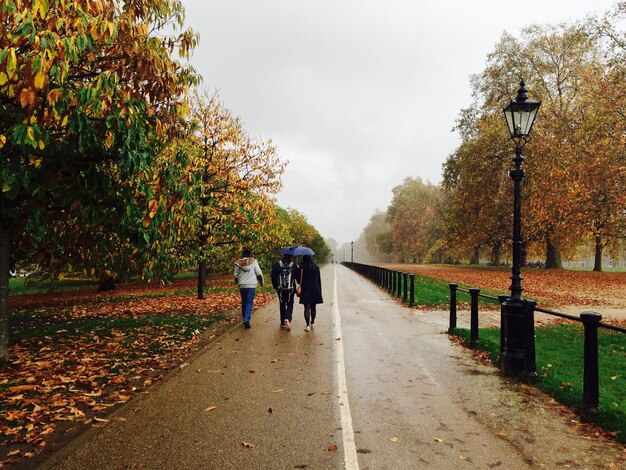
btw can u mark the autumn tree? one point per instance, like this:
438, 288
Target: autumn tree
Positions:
88, 90
301, 232
230, 177
553, 61
601, 172
475, 177
378, 237
412, 215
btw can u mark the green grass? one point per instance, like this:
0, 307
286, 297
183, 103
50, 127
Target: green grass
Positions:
19, 285
431, 292
559, 351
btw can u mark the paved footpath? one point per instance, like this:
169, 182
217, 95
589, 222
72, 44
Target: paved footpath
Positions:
374, 386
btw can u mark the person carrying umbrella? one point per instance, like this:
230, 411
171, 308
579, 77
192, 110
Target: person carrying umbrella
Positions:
284, 276
311, 290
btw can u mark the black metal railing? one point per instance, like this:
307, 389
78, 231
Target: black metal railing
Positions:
397, 283
591, 322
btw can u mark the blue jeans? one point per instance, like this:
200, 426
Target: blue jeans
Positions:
247, 299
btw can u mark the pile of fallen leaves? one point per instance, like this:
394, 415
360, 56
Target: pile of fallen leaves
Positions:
75, 356
554, 287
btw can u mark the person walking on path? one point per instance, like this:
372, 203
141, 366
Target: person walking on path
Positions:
284, 277
247, 275
311, 286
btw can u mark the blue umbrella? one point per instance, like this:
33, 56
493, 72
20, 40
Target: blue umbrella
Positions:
297, 251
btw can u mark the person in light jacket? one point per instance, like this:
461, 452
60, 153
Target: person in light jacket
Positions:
311, 287
247, 275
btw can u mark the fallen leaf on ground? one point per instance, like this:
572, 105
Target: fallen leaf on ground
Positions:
247, 445
332, 447
436, 439
210, 408
278, 390
394, 439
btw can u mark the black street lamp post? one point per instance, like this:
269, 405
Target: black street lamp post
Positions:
352, 252
515, 312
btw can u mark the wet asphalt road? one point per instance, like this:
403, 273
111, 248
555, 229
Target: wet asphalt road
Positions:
379, 387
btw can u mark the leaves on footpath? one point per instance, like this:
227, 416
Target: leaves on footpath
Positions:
78, 355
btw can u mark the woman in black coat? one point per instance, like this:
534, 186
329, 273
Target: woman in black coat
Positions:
311, 286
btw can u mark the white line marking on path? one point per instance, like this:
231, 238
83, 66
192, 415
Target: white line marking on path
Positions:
349, 447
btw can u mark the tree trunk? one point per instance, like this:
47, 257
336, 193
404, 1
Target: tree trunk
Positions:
553, 255
107, 284
495, 255
597, 264
475, 256
201, 279
5, 254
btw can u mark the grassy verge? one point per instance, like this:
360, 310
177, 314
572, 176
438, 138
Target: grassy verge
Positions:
19, 285
435, 293
560, 368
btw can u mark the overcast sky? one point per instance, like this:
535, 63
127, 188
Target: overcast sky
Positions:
355, 94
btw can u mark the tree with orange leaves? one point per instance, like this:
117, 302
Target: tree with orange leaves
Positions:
229, 178
89, 91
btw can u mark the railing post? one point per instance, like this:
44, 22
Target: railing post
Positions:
530, 366
474, 317
452, 307
405, 287
502, 298
412, 291
591, 383
399, 290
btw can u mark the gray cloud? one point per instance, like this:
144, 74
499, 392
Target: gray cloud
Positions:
356, 94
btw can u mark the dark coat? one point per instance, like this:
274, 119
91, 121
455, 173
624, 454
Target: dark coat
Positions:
311, 283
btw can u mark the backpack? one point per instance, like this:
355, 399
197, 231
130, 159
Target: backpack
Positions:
285, 281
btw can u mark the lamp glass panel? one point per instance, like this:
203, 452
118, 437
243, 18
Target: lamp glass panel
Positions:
508, 114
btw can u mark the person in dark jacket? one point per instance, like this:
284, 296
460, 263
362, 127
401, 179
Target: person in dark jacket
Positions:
311, 287
285, 275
